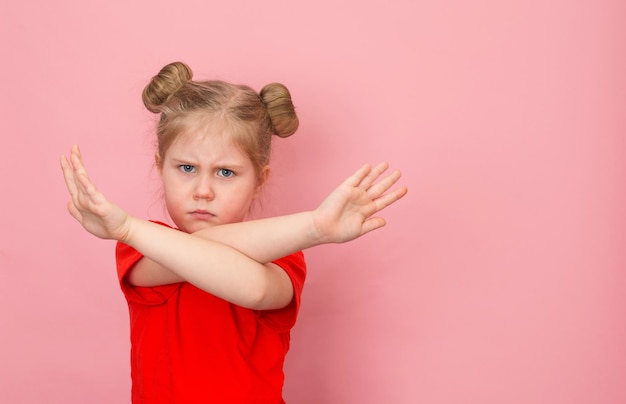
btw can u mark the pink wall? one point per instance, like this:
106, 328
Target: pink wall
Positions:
501, 276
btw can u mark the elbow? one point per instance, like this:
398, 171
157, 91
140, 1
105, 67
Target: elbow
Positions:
257, 300
268, 296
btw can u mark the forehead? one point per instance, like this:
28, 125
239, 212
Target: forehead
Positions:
202, 146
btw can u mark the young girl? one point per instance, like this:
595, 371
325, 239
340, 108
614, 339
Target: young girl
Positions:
212, 302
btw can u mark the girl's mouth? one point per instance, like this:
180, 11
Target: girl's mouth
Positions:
202, 214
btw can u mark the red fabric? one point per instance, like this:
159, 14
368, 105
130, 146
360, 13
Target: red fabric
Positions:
188, 346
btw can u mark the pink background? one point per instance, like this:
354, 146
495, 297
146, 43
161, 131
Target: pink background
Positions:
499, 279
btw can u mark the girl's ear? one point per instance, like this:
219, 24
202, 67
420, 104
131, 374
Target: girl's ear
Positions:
264, 175
158, 162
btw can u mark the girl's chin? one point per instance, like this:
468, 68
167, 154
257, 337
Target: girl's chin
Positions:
194, 227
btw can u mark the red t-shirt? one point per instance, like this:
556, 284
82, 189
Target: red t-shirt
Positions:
188, 346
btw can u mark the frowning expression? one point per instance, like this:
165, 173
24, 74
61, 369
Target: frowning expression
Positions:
207, 181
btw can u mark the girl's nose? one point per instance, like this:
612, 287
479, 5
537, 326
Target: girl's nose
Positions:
204, 189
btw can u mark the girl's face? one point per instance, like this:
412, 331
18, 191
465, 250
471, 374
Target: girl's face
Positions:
207, 181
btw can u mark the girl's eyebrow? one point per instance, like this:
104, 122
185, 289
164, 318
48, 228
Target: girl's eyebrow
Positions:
183, 161
219, 164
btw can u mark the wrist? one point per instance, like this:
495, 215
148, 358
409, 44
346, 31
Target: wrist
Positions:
317, 235
128, 230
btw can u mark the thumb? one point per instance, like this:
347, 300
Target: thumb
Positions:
74, 211
372, 224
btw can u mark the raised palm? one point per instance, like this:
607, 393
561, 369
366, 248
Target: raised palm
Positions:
89, 206
347, 213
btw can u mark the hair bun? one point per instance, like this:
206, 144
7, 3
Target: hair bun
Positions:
280, 109
170, 79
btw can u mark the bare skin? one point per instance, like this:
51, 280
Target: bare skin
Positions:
217, 259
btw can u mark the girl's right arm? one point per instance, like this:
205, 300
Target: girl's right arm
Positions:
344, 215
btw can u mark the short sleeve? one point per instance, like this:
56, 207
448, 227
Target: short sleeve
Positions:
282, 320
126, 257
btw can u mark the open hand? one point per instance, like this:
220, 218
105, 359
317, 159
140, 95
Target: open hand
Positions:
89, 206
347, 212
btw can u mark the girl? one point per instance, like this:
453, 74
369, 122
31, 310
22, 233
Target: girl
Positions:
212, 301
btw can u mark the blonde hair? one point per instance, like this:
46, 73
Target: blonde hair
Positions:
251, 118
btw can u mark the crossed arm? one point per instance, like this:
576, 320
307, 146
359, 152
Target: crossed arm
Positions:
218, 259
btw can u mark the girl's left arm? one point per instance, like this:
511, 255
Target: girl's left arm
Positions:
214, 267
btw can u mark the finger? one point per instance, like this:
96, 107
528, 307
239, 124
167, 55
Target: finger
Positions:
367, 182
355, 179
389, 198
74, 212
88, 187
76, 159
96, 198
68, 176
383, 185
80, 173
80, 156
372, 224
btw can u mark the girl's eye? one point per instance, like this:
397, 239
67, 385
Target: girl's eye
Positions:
225, 172
187, 168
